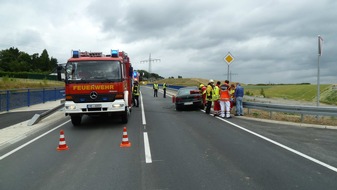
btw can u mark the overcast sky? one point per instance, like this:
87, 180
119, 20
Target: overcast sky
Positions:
272, 41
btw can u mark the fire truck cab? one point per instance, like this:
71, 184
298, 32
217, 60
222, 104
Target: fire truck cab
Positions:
98, 84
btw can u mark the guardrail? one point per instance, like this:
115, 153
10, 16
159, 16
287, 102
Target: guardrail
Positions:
16, 98
38, 117
303, 110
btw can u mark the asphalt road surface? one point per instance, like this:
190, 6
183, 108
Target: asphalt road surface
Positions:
171, 150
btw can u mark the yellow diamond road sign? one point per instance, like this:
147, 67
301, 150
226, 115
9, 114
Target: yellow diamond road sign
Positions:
229, 58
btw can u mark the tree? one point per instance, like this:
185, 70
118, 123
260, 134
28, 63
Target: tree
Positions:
44, 61
13, 60
7, 57
262, 93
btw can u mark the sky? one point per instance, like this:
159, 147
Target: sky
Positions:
272, 41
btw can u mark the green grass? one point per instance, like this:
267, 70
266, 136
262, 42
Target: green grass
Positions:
292, 92
7, 83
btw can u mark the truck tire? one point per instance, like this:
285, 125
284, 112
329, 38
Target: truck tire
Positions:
125, 116
76, 120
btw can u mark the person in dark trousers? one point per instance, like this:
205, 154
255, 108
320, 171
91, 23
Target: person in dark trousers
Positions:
209, 94
164, 89
135, 94
155, 89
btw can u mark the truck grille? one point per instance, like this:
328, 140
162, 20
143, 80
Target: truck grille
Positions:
94, 109
100, 98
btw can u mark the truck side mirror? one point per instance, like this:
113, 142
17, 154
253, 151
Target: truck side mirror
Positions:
59, 70
130, 71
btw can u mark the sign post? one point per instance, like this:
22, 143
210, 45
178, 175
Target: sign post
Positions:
320, 43
229, 59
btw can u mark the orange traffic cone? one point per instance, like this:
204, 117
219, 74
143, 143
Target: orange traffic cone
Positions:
62, 144
125, 140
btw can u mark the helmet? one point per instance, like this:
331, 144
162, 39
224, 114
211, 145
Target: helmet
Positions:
211, 80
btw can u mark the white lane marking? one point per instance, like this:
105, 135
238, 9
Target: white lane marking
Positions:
142, 108
283, 146
148, 158
31, 141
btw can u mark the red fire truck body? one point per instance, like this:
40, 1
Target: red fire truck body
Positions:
98, 84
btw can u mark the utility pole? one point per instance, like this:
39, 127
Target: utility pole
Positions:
320, 43
150, 60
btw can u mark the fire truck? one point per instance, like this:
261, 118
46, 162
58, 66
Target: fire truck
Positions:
98, 84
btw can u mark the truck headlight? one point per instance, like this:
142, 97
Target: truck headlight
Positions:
118, 105
71, 107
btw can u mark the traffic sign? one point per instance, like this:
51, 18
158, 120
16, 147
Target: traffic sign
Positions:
229, 58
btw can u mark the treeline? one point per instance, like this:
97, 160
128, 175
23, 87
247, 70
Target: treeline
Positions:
144, 75
14, 60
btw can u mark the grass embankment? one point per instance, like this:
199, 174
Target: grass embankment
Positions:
299, 92
7, 83
184, 81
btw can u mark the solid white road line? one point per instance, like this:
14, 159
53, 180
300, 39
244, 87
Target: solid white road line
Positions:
282, 146
31, 141
148, 158
142, 108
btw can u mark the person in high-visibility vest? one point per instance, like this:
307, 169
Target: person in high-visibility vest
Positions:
209, 96
202, 89
216, 96
135, 94
225, 100
164, 89
155, 89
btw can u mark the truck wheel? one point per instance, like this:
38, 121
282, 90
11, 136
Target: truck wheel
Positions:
178, 108
76, 120
125, 116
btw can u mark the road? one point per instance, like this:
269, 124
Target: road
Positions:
171, 150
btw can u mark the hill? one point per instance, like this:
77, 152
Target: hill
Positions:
184, 81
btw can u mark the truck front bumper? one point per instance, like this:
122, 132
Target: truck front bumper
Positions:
71, 107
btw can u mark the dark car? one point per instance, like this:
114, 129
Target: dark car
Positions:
188, 97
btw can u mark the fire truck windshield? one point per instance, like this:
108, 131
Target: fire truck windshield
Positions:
93, 71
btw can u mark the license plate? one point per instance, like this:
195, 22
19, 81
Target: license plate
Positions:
94, 106
188, 103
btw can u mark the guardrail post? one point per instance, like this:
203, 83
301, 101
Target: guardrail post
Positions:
7, 100
28, 97
55, 94
271, 115
43, 95
302, 118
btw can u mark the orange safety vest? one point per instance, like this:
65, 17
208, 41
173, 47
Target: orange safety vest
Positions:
224, 94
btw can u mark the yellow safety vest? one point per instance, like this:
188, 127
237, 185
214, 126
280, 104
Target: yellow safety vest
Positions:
216, 93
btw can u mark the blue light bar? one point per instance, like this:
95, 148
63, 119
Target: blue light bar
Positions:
135, 73
76, 53
114, 53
